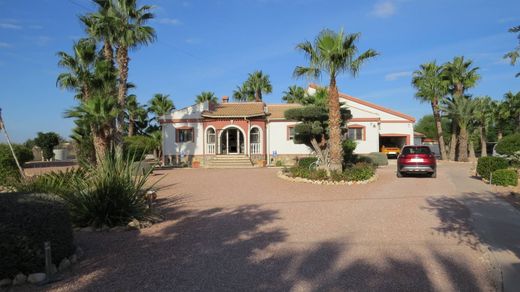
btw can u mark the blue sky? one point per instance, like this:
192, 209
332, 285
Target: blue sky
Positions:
212, 45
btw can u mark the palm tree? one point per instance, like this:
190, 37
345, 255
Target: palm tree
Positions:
160, 105
432, 88
206, 96
243, 93
128, 25
100, 112
80, 67
460, 109
501, 117
258, 83
460, 76
333, 53
515, 54
483, 115
513, 102
101, 25
135, 113
294, 94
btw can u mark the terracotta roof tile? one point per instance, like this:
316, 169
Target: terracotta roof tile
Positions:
236, 109
277, 110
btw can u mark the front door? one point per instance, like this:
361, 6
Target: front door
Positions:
232, 141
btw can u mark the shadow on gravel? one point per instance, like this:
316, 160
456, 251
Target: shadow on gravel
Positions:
238, 249
503, 232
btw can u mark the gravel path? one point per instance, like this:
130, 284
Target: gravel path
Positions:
247, 230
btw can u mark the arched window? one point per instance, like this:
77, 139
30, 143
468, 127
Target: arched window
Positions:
255, 135
211, 138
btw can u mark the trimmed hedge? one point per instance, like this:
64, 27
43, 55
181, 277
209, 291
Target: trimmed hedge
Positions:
26, 222
306, 161
376, 158
358, 172
487, 165
508, 145
505, 177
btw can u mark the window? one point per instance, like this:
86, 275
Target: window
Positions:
355, 134
184, 135
417, 150
211, 136
290, 132
255, 135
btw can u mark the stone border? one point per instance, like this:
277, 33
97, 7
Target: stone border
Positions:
281, 175
40, 278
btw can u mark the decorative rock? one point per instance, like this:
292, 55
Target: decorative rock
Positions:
64, 265
5, 282
134, 224
73, 258
36, 278
19, 279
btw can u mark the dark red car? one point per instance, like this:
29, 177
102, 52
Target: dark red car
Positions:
416, 159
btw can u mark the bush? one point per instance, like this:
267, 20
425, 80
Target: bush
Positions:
9, 173
138, 146
318, 174
306, 161
279, 163
348, 151
26, 222
359, 172
111, 193
47, 142
487, 165
508, 145
505, 177
376, 158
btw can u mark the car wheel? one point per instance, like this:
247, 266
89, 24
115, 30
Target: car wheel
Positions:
399, 174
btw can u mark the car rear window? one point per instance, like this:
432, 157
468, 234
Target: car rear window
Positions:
416, 150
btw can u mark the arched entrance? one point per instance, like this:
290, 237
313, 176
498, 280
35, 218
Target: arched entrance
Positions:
231, 141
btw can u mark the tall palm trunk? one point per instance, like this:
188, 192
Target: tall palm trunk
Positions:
472, 156
463, 144
336, 151
131, 125
483, 143
108, 52
258, 96
101, 145
438, 126
500, 134
453, 141
122, 62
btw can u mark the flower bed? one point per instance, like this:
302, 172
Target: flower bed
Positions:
361, 173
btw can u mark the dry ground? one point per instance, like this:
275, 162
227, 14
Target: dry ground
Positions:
247, 230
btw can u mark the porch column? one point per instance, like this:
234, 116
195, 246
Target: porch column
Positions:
227, 142
238, 141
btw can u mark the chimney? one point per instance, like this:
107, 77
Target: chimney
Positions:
225, 99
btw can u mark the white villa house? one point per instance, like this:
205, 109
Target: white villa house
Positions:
259, 133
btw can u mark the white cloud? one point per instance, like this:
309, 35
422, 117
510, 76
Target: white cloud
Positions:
5, 45
7, 25
384, 8
170, 21
396, 75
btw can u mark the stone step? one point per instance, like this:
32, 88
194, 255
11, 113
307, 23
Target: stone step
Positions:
230, 161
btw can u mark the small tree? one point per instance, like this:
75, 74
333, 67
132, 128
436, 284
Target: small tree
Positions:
313, 129
47, 142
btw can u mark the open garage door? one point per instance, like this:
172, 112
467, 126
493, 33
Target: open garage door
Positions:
391, 144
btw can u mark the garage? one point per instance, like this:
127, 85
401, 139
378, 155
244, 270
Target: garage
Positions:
391, 144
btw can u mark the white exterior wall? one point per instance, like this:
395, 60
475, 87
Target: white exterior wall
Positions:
398, 128
170, 147
371, 142
277, 140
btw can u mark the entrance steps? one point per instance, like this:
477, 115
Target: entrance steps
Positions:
229, 161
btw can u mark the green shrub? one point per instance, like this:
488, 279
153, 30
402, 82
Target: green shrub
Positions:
138, 146
359, 172
318, 174
487, 165
348, 151
9, 173
306, 161
111, 193
26, 222
508, 145
378, 158
505, 177
337, 176
299, 171
279, 163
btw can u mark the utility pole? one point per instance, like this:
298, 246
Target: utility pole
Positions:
2, 127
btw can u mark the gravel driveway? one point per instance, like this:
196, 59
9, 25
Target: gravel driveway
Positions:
245, 230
